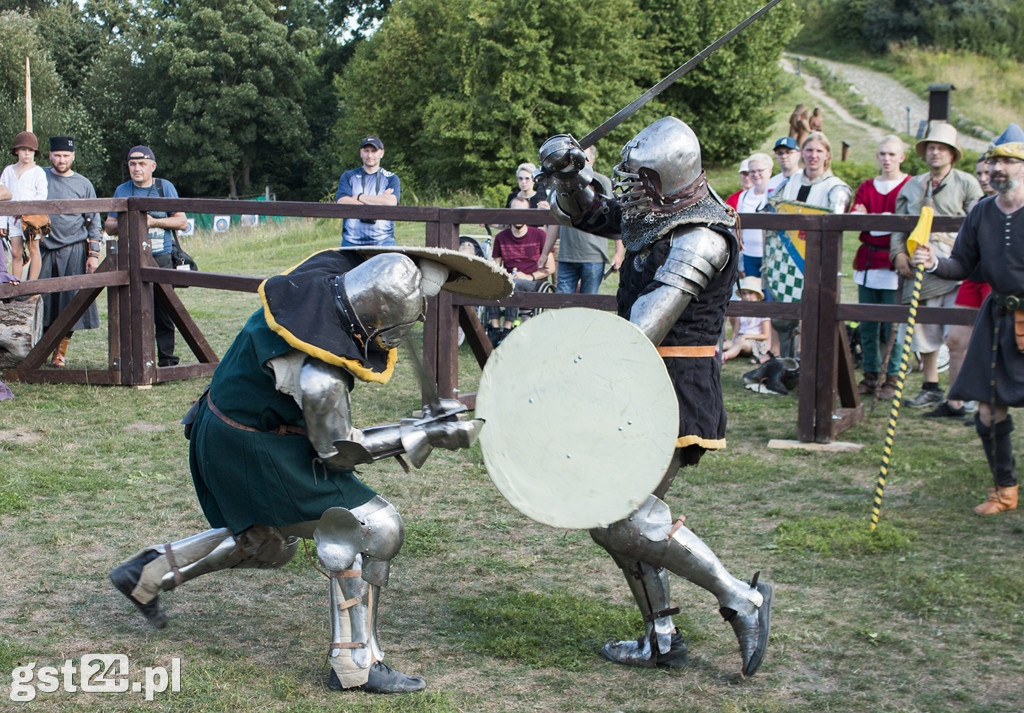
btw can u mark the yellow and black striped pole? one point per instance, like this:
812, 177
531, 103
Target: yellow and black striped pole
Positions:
919, 236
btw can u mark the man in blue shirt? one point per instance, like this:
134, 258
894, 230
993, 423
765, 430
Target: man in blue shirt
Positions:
141, 164
368, 185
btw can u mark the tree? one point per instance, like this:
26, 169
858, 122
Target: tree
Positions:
230, 95
726, 99
463, 90
54, 112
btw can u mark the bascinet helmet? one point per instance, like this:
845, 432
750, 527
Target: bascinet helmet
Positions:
381, 299
661, 170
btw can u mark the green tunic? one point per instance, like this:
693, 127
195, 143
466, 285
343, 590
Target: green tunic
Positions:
243, 478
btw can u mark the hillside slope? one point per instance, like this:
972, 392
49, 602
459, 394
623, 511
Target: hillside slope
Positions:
892, 98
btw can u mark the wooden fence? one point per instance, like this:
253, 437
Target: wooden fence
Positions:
828, 400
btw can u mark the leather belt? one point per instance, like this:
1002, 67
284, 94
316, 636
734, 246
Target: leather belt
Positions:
1010, 303
282, 430
706, 351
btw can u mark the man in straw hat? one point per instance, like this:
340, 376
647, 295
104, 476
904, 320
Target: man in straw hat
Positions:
949, 191
273, 446
992, 239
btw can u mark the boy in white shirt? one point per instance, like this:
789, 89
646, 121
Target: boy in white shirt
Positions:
26, 182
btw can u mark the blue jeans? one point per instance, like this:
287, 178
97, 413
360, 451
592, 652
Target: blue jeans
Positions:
875, 335
588, 274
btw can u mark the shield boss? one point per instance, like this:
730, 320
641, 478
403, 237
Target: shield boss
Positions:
581, 418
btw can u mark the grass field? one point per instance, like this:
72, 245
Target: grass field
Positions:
497, 612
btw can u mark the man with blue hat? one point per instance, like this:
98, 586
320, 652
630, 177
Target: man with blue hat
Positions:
370, 184
992, 240
787, 154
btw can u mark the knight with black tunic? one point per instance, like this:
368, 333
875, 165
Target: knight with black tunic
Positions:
675, 284
273, 448
992, 240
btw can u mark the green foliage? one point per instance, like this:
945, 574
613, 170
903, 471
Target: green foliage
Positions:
51, 112
11, 500
990, 27
463, 91
230, 102
727, 99
854, 173
840, 536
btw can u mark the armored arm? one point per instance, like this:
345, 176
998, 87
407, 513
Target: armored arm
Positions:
322, 392
576, 198
696, 255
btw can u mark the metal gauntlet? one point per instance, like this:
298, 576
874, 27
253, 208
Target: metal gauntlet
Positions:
566, 178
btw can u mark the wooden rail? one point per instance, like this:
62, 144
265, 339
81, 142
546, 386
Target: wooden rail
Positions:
828, 401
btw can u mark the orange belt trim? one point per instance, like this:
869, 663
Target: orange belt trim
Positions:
708, 351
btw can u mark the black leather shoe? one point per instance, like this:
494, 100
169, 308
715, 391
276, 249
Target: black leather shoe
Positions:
126, 576
383, 679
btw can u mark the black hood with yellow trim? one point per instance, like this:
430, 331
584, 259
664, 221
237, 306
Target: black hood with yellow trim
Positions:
299, 305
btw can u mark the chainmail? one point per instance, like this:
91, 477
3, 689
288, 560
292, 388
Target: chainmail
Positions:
640, 229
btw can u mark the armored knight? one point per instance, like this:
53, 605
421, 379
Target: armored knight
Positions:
273, 447
675, 283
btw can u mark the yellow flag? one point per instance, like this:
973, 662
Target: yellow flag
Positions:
922, 231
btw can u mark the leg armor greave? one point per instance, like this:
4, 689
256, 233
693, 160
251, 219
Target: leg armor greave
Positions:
356, 546
650, 588
649, 536
258, 547
163, 567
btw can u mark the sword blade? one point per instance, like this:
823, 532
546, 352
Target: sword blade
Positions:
601, 131
428, 388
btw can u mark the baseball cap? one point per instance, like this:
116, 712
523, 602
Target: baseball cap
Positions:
372, 141
141, 152
786, 142
745, 166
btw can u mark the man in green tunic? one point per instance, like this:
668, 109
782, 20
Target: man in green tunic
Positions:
272, 446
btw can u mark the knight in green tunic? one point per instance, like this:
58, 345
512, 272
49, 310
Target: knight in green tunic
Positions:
272, 445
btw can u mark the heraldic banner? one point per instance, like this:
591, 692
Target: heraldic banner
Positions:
783, 266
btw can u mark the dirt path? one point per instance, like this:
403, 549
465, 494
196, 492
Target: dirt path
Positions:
892, 98
813, 86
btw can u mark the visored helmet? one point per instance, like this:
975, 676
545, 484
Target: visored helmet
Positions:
661, 169
382, 299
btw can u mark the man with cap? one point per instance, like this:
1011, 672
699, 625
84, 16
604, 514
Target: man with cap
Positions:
992, 239
160, 240
273, 444
73, 244
949, 191
787, 154
368, 185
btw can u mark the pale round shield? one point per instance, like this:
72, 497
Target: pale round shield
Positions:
581, 418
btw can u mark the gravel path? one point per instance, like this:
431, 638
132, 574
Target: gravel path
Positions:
891, 97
